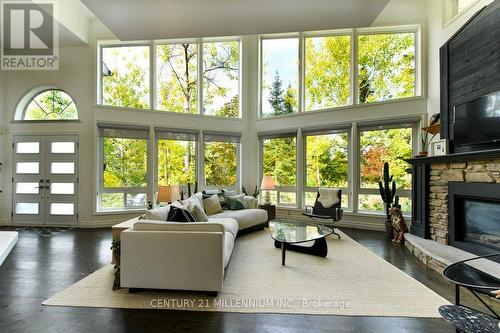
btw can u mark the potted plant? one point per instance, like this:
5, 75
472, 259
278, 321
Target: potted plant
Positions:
428, 133
115, 247
387, 187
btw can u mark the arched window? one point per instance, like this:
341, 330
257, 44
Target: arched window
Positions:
47, 104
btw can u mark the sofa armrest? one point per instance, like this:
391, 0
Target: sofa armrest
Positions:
177, 260
250, 201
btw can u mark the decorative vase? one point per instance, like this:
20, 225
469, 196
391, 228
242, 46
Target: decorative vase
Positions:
423, 153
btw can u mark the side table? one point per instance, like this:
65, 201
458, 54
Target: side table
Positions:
271, 211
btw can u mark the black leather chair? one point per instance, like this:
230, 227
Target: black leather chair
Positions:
331, 214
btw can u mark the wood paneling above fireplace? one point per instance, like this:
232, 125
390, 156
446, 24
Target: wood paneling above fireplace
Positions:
470, 64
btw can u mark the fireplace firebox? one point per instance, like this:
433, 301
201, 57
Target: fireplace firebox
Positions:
474, 217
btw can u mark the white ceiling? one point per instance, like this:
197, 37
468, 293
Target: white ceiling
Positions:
159, 19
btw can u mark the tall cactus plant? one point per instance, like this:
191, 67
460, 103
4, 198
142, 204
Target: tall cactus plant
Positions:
387, 187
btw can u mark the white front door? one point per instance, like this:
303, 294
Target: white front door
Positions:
45, 180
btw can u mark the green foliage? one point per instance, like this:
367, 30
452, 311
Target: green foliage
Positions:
125, 162
176, 162
276, 99
177, 77
386, 66
221, 163
128, 85
389, 145
51, 105
327, 160
327, 72
280, 160
282, 101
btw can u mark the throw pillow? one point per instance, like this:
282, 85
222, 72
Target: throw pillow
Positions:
212, 205
236, 202
157, 214
197, 208
177, 214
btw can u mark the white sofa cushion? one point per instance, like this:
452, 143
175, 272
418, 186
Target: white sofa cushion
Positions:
246, 218
230, 224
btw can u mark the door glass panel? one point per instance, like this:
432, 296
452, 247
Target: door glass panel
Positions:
31, 168
67, 168
28, 147
62, 188
27, 208
62, 147
62, 209
27, 188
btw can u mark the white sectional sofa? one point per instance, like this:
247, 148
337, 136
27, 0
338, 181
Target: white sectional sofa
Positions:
182, 256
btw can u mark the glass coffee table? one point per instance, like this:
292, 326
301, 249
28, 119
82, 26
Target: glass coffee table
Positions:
288, 234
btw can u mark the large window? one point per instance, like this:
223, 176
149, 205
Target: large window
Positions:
221, 74
315, 71
327, 72
279, 159
386, 66
452, 8
197, 76
280, 76
222, 152
176, 157
377, 146
327, 164
125, 74
51, 104
123, 180
177, 76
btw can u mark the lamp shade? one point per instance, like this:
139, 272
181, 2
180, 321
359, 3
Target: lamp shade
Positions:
267, 183
167, 194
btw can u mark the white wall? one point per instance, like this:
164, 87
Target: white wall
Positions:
77, 75
439, 33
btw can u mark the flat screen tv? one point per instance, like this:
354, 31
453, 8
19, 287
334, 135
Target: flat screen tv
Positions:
476, 124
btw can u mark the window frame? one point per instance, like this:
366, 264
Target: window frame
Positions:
414, 125
280, 189
100, 62
345, 190
260, 73
156, 154
152, 44
202, 175
354, 34
22, 106
134, 190
451, 12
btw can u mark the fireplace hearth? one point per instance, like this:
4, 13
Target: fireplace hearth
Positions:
474, 217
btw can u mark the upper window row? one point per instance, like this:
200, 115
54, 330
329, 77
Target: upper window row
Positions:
298, 72
384, 64
199, 77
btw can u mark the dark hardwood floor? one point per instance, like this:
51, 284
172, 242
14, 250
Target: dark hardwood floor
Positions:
43, 263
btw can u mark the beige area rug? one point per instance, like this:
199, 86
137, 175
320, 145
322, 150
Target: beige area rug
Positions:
350, 281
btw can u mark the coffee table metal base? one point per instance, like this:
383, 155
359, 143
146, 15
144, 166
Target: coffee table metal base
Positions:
319, 248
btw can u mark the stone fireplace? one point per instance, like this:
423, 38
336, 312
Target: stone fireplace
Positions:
456, 202
474, 217
440, 176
